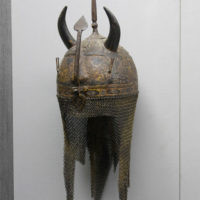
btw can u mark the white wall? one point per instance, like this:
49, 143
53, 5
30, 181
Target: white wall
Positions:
190, 99
150, 32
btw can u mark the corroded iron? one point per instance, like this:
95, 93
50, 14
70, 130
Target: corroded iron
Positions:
97, 89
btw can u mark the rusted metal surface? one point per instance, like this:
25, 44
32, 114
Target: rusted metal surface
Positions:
98, 67
97, 90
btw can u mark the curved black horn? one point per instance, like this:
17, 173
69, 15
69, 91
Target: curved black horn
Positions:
63, 30
113, 39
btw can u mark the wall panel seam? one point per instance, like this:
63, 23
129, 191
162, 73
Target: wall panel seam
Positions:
180, 100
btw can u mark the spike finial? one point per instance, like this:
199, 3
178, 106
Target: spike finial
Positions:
94, 16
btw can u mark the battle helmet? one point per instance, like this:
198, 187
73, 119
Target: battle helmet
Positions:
97, 90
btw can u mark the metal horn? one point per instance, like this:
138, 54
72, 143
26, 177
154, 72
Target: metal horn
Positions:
113, 39
67, 38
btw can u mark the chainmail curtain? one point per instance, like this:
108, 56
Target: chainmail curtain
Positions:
103, 127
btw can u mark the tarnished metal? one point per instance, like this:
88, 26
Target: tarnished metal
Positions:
97, 89
100, 69
80, 26
94, 16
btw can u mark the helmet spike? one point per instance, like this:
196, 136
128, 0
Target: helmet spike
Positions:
94, 16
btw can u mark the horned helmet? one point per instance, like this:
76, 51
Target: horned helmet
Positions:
97, 90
